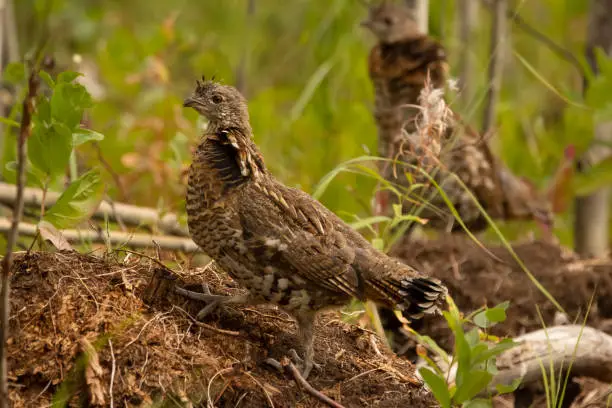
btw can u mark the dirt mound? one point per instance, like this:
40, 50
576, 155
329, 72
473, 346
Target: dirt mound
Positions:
81, 330
475, 278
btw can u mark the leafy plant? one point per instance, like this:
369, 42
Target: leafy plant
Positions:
56, 133
473, 360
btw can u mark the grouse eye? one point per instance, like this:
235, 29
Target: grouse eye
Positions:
388, 21
217, 99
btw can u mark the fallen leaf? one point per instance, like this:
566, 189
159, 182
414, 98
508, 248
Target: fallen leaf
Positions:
49, 233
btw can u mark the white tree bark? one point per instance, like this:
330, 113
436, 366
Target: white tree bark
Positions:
593, 356
588, 350
592, 212
467, 11
497, 49
421, 11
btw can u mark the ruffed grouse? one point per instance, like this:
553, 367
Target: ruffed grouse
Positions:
400, 65
281, 244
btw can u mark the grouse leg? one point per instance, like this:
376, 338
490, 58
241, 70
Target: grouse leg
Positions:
213, 301
306, 336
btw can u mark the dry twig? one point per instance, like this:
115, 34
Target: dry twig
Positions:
287, 367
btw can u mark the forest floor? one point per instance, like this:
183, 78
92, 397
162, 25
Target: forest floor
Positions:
475, 278
103, 330
79, 321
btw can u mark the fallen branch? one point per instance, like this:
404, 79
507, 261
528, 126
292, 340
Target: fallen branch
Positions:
131, 240
557, 345
122, 213
554, 346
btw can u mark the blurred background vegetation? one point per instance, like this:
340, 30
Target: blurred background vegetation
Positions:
303, 66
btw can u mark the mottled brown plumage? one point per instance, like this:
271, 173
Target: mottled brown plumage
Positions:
400, 65
282, 245
278, 242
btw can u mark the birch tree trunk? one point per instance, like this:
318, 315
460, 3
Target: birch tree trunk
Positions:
591, 218
466, 22
497, 51
421, 8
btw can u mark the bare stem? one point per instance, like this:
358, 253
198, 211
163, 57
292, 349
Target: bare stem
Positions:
24, 132
43, 201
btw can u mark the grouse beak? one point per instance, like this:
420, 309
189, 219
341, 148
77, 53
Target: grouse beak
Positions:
366, 23
189, 102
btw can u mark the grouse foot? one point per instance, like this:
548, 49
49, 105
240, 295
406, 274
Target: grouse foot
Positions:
305, 366
213, 301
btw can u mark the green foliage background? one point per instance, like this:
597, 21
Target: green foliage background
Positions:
303, 66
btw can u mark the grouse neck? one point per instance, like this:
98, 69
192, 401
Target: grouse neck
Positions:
216, 127
404, 42
232, 153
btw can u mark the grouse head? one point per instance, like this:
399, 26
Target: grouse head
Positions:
223, 105
391, 22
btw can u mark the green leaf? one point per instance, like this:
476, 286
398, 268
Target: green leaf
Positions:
503, 345
477, 350
34, 176
68, 103
478, 403
43, 113
47, 78
49, 148
437, 385
463, 351
472, 384
507, 389
9, 122
491, 366
77, 202
68, 76
496, 314
491, 316
472, 337
85, 135
14, 73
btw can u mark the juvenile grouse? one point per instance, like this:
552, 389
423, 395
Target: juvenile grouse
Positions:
399, 65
